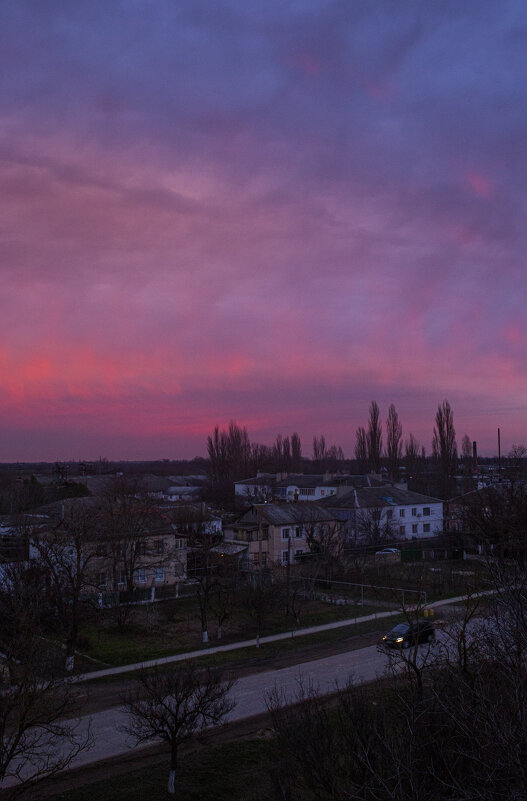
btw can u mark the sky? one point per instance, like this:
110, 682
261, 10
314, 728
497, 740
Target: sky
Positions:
273, 212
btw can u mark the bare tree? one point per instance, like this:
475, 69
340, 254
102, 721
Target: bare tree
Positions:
319, 448
412, 452
175, 705
260, 599
128, 515
361, 450
373, 527
374, 438
394, 436
205, 562
66, 553
296, 452
39, 736
444, 447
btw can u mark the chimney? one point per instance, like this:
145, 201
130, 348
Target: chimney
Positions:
475, 454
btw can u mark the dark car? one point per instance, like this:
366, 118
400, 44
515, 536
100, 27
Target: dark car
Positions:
406, 634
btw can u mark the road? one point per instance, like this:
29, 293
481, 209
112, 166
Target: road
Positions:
249, 693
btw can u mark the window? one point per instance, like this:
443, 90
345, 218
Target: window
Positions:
414, 512
159, 574
401, 512
159, 546
285, 557
307, 491
298, 552
389, 514
402, 530
141, 548
426, 511
122, 577
179, 544
414, 528
298, 532
286, 533
426, 527
141, 575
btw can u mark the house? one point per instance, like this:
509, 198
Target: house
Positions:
299, 487
294, 487
120, 547
279, 533
374, 515
258, 489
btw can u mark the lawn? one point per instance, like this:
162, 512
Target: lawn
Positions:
172, 627
151, 636
234, 771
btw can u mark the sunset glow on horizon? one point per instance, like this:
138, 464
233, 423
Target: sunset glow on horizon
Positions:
273, 213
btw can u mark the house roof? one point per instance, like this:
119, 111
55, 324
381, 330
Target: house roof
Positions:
287, 514
368, 497
301, 480
258, 481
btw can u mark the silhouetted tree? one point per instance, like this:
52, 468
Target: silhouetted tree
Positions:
361, 450
38, 733
65, 553
173, 706
296, 452
412, 454
394, 435
374, 438
444, 447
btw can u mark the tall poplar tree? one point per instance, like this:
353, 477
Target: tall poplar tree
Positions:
374, 438
394, 437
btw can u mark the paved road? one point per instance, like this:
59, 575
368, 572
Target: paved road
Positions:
250, 692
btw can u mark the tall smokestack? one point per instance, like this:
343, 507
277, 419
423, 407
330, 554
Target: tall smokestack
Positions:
475, 454
499, 450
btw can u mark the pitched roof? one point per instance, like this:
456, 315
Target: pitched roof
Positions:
368, 497
288, 513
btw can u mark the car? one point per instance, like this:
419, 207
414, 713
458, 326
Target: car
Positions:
410, 633
388, 553
387, 550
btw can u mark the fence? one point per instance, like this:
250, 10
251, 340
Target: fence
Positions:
367, 594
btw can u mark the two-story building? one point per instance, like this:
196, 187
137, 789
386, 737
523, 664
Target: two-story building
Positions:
388, 513
279, 533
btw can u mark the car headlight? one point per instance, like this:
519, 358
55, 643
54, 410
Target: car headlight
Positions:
399, 639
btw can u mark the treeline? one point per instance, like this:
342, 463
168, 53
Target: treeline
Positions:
232, 455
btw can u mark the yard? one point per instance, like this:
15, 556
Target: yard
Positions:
173, 626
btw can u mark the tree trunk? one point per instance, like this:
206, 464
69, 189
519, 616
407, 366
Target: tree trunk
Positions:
205, 636
219, 632
172, 775
70, 655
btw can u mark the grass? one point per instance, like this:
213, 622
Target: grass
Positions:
153, 636
270, 653
140, 642
229, 772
